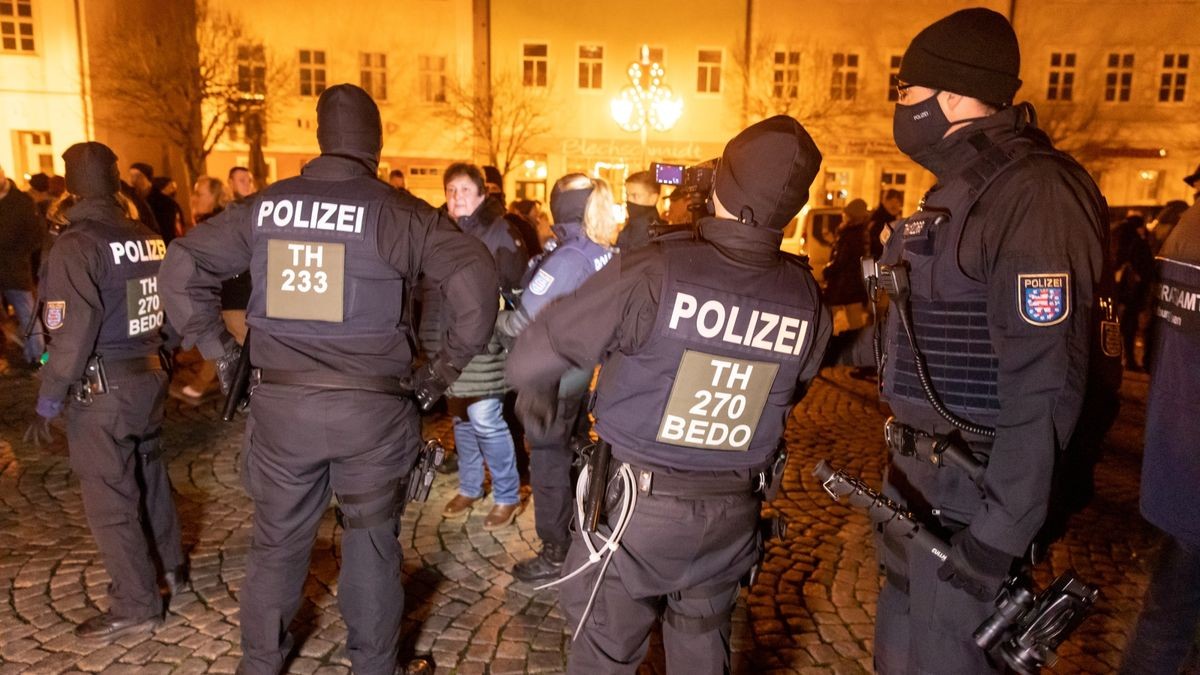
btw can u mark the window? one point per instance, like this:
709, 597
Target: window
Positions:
786, 75
844, 85
837, 187
893, 94
312, 72
251, 70
1172, 83
893, 180
533, 64
373, 74
1061, 86
432, 74
1118, 79
708, 73
591, 66
16, 26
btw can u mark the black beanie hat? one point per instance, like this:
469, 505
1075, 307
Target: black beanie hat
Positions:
348, 123
767, 169
92, 170
492, 175
972, 52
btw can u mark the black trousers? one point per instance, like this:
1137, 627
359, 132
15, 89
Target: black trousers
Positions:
924, 625
114, 448
680, 558
1166, 631
550, 473
304, 444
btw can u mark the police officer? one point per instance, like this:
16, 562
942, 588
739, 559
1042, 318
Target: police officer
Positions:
585, 231
334, 254
706, 346
994, 280
105, 320
1166, 628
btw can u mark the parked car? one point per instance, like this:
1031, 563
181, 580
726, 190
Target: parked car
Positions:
812, 234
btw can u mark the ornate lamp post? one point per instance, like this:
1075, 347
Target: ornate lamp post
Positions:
647, 102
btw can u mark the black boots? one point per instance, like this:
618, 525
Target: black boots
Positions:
545, 566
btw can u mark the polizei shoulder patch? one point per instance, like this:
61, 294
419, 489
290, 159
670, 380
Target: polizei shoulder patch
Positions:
541, 282
56, 313
1044, 299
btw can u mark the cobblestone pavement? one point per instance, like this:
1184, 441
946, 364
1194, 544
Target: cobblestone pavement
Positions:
811, 610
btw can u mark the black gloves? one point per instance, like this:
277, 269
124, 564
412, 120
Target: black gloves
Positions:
227, 365
537, 408
430, 382
975, 567
38, 432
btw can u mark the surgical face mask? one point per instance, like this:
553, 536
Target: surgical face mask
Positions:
918, 127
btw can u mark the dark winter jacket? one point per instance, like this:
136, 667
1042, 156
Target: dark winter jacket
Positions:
20, 238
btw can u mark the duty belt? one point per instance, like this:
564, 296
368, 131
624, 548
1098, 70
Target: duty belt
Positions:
322, 379
936, 449
697, 485
133, 366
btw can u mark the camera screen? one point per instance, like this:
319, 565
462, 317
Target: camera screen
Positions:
668, 174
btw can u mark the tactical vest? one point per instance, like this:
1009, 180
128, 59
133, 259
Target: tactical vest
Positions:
949, 309
128, 283
711, 389
1171, 468
315, 266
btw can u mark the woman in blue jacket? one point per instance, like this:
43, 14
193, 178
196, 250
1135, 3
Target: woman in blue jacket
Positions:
585, 230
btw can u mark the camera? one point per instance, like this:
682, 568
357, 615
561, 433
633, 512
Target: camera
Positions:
694, 185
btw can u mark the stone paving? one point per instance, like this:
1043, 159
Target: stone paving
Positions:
811, 610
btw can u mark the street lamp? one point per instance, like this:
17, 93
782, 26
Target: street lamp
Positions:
647, 102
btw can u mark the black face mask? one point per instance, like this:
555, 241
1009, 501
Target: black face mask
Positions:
636, 210
918, 127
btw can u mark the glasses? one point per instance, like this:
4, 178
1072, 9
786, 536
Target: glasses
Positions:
902, 90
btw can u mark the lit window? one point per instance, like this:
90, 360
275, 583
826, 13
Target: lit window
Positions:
844, 85
785, 74
373, 74
708, 73
1172, 84
533, 64
432, 74
893, 93
16, 26
1061, 85
591, 66
251, 70
893, 180
1118, 78
312, 72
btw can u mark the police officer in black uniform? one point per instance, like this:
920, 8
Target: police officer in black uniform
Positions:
995, 280
705, 345
102, 309
334, 254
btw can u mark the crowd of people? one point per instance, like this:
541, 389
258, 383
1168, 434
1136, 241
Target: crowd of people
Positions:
993, 310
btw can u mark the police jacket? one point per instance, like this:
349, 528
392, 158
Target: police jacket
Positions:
1171, 463
334, 255
1005, 256
100, 293
484, 374
705, 346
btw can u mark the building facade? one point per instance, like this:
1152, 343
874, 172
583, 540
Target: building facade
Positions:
530, 85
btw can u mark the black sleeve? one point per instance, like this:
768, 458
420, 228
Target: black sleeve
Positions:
613, 310
511, 261
191, 274
73, 311
822, 330
425, 242
1039, 225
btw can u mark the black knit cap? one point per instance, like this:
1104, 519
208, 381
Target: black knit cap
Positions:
972, 52
92, 170
348, 123
766, 170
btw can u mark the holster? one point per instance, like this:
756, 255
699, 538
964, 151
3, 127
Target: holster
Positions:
420, 479
93, 383
597, 461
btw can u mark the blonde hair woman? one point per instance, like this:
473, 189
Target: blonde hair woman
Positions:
585, 230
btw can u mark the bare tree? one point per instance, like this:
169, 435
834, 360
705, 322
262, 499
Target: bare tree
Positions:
1077, 128
798, 82
192, 87
504, 118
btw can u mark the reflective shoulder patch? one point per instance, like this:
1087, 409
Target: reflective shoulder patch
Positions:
541, 282
56, 313
1044, 299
